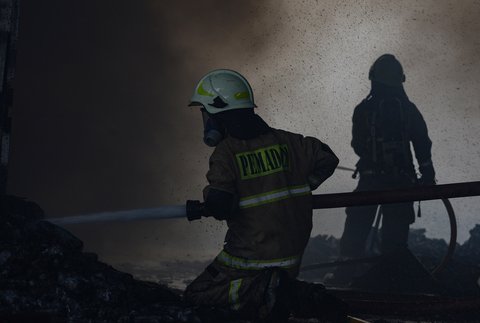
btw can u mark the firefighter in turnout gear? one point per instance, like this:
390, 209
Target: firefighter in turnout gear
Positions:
384, 125
260, 183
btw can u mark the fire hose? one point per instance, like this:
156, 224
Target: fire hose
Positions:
192, 209
443, 263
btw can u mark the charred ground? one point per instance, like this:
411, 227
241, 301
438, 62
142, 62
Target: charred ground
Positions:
46, 277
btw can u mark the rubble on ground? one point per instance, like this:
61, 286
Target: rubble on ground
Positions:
46, 277
460, 278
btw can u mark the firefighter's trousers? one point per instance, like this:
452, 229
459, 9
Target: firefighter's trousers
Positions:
396, 218
267, 294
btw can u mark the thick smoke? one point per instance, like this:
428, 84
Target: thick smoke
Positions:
101, 119
320, 74
101, 123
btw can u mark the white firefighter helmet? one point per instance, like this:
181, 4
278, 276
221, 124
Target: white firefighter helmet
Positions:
223, 90
387, 70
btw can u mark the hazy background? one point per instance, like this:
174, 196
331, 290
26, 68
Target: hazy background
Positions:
101, 122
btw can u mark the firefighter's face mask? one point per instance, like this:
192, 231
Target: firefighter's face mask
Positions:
213, 132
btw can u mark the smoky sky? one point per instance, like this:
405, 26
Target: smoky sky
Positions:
102, 88
100, 120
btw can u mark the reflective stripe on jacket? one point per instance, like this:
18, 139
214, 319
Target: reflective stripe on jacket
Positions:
273, 196
269, 175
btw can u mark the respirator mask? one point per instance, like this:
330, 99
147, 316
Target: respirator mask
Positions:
213, 132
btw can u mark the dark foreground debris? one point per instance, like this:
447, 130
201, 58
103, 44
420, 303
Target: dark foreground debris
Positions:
398, 287
46, 277
459, 279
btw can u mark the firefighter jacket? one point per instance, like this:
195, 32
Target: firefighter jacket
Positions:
269, 176
383, 128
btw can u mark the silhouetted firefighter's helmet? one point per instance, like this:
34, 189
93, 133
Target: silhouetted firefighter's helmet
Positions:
387, 70
223, 90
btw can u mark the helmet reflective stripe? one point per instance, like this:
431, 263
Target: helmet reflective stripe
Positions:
241, 263
242, 95
201, 91
223, 90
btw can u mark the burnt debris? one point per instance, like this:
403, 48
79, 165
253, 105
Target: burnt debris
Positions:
45, 277
460, 278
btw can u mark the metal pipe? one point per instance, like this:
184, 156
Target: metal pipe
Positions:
409, 306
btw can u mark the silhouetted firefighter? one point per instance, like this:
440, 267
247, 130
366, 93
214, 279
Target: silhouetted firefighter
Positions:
260, 183
384, 125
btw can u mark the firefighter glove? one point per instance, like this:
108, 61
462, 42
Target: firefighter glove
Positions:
428, 175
